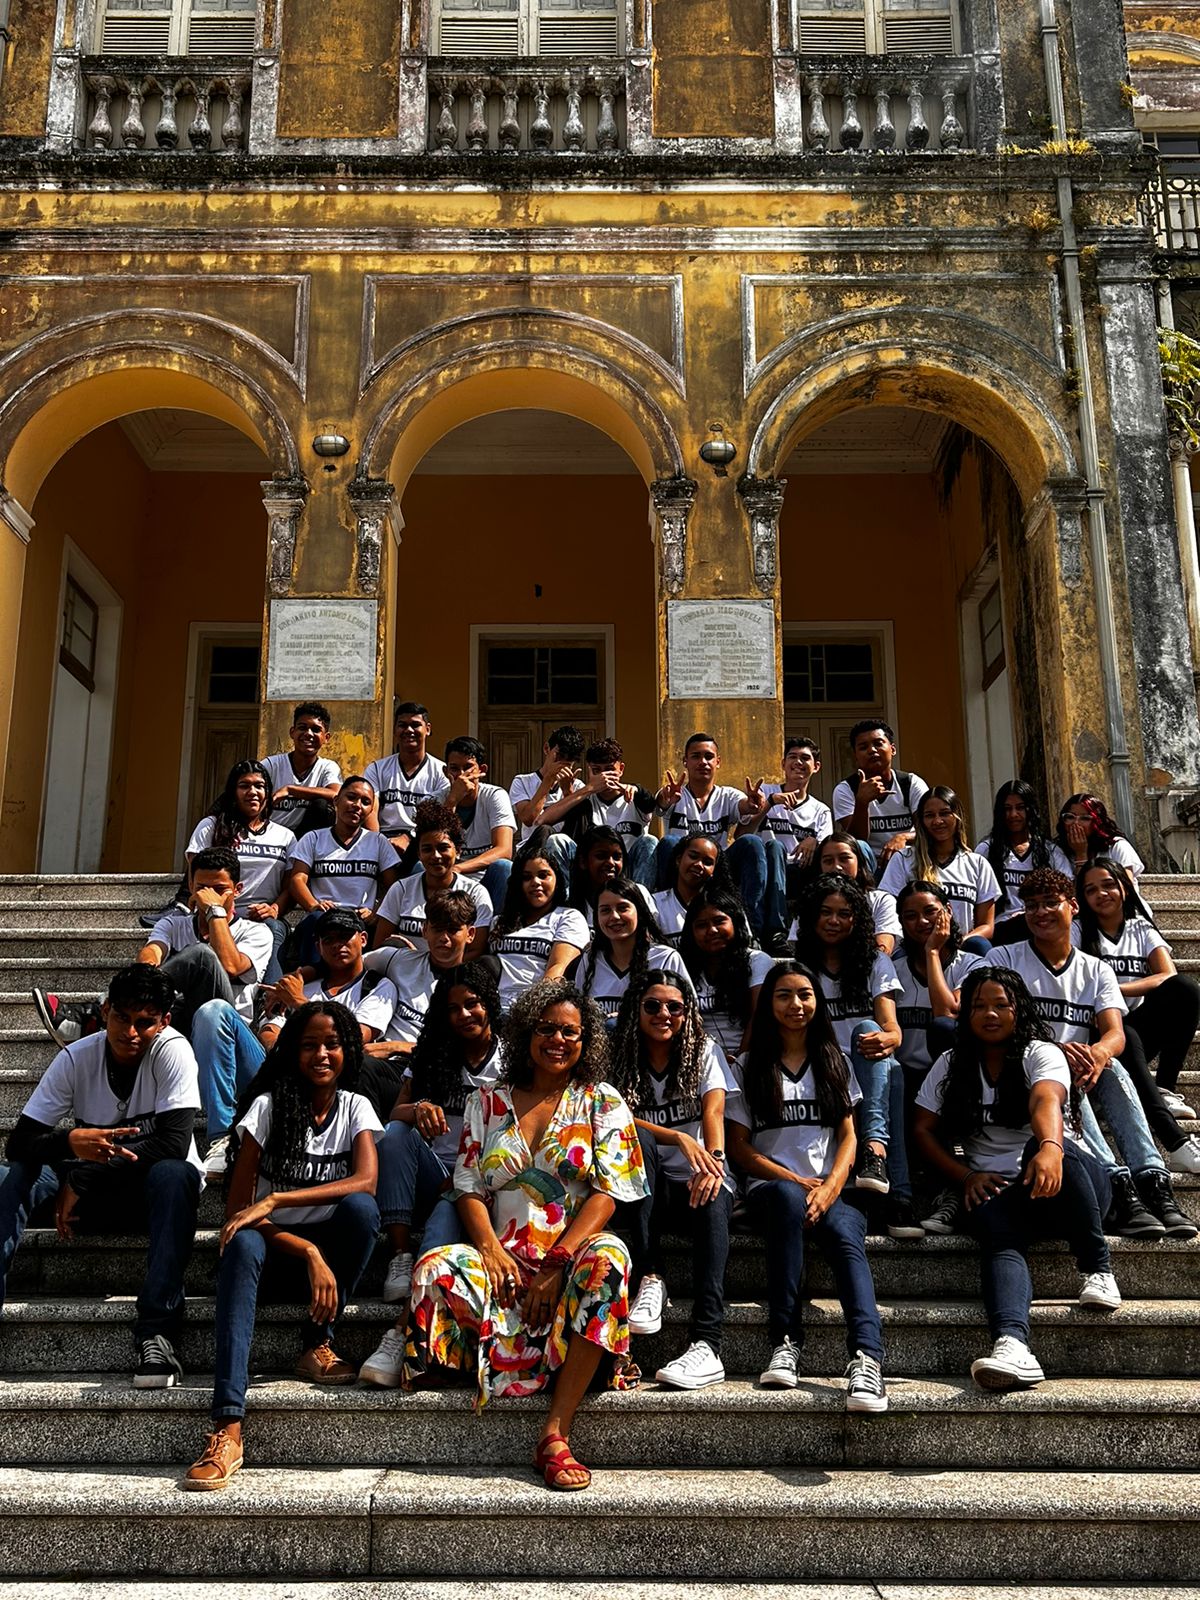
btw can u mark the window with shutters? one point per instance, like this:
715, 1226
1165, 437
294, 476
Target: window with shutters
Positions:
177, 27
876, 27
526, 28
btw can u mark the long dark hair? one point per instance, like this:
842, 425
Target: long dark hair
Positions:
866, 873
1103, 829
761, 1071
437, 1061
647, 933
582, 893
630, 1065
231, 823
291, 1093
731, 982
516, 908
997, 842
1132, 904
721, 879
858, 952
962, 1089
528, 1010
912, 949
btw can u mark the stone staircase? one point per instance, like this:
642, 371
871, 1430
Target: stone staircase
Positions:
1093, 1476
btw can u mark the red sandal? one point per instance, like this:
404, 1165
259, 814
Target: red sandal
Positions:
554, 1469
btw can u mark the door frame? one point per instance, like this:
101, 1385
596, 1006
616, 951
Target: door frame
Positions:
97, 768
196, 630
539, 630
987, 574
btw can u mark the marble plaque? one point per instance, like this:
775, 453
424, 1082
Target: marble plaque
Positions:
721, 650
322, 650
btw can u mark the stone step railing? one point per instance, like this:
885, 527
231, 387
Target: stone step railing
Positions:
544, 104
855, 105
143, 104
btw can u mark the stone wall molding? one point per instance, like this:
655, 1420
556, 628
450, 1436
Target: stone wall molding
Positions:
284, 500
672, 499
373, 502
763, 502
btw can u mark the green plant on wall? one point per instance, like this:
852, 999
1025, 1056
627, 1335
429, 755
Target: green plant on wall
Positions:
1179, 356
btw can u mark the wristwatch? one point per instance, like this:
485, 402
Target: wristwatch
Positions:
216, 914
717, 1155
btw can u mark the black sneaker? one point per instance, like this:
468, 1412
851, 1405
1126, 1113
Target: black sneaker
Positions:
872, 1172
65, 1021
158, 1367
1128, 1216
1156, 1191
902, 1221
865, 1390
944, 1213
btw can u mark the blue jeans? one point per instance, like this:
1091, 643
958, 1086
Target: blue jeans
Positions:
411, 1176
1117, 1100
279, 932
759, 870
881, 1111
346, 1242
494, 880
199, 977
1006, 1224
158, 1197
228, 1056
777, 1211
977, 945
641, 859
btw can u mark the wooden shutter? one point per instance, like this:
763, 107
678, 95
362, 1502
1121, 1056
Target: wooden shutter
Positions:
130, 28
479, 28
221, 28
918, 27
577, 28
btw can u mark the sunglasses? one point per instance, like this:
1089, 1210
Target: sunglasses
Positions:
673, 1008
553, 1030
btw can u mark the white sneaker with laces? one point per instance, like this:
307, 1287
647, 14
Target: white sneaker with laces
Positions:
865, 1390
1100, 1291
783, 1369
1011, 1363
1186, 1158
645, 1314
397, 1284
385, 1367
214, 1161
697, 1368
1178, 1106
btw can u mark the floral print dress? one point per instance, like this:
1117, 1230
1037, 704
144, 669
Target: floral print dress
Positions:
590, 1144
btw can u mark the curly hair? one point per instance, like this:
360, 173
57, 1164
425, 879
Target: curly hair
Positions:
231, 823
913, 950
647, 933
858, 952
431, 816
582, 893
515, 912
630, 1064
998, 846
291, 1094
436, 1063
961, 1093
731, 974
594, 1063
1046, 880
761, 1070
1132, 904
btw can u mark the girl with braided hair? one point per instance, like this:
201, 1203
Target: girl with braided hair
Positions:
300, 1209
1003, 1094
674, 1080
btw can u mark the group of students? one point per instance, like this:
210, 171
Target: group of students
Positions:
815, 1020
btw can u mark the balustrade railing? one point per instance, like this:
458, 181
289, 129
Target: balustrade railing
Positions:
165, 105
538, 103
1171, 207
885, 104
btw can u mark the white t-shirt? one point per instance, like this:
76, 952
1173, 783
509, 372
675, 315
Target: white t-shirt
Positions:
1016, 868
404, 903
493, 809
609, 986
347, 874
1129, 953
891, 815
414, 977
399, 793
1123, 853
670, 913
288, 810
845, 1015
445, 1146
914, 1012
370, 1010
997, 1148
177, 931
686, 1115
525, 953
799, 1141
262, 859
328, 1152
967, 878
811, 819
720, 1025
524, 787
883, 914
629, 818
1068, 999
75, 1085
718, 815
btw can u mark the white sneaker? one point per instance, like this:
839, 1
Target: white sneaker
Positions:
385, 1367
645, 1314
1100, 1290
1178, 1106
696, 1368
214, 1161
866, 1390
783, 1369
397, 1284
1186, 1158
1010, 1363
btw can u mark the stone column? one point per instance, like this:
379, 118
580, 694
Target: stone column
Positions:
16, 525
763, 501
1182, 450
373, 504
672, 500
284, 500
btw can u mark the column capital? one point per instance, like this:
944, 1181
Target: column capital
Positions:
372, 501
284, 500
763, 500
673, 499
14, 516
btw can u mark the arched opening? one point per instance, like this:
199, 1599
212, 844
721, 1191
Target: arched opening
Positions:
136, 679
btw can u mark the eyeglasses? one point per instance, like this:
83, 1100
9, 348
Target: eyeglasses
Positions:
673, 1008
1044, 905
555, 1030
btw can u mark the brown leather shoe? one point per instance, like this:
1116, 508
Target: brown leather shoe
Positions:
322, 1364
221, 1458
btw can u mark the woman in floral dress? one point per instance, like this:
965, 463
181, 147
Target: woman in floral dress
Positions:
542, 1290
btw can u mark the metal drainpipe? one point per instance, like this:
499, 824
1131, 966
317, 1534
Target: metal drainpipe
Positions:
5, 38
1114, 705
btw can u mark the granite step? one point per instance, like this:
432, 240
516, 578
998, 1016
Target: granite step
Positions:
781, 1523
148, 889
121, 914
95, 945
1080, 1424
1144, 1338
558, 1589
934, 1268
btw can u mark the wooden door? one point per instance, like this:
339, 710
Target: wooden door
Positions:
529, 686
226, 714
831, 680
